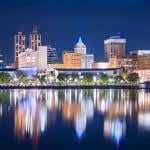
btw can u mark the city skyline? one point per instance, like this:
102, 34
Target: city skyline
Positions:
62, 22
74, 74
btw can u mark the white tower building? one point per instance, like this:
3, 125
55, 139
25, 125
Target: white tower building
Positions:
80, 47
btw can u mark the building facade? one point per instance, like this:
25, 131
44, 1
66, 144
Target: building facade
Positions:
142, 60
80, 47
2, 64
19, 45
100, 65
33, 59
95, 72
27, 59
35, 39
124, 62
71, 59
137, 53
87, 60
56, 65
51, 55
114, 46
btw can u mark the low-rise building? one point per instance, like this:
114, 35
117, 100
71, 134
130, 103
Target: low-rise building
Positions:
87, 60
71, 59
100, 65
95, 72
125, 62
56, 65
144, 74
142, 60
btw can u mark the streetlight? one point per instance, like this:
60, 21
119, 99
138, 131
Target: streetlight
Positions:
110, 80
76, 80
65, 80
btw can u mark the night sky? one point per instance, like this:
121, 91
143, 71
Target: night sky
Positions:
61, 22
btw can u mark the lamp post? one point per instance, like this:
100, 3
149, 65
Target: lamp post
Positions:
76, 81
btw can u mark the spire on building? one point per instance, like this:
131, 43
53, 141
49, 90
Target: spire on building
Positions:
80, 40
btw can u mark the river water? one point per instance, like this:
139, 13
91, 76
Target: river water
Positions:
74, 119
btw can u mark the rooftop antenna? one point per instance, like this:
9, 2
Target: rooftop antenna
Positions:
35, 29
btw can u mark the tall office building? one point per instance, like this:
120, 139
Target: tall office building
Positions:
35, 39
114, 46
19, 45
80, 47
51, 55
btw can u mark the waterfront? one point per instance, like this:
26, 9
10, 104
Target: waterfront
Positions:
74, 119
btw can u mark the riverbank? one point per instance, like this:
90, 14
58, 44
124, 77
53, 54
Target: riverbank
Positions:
77, 87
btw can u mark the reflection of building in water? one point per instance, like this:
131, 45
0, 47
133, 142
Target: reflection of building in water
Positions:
37, 109
78, 106
69, 111
144, 120
143, 111
52, 99
1, 110
30, 118
31, 112
88, 108
115, 103
144, 100
80, 124
114, 129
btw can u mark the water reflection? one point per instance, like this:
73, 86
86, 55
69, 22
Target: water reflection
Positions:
115, 129
36, 110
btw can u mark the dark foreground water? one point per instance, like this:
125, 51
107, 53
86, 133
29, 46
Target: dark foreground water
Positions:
74, 119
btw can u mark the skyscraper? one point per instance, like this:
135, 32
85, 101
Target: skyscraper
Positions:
114, 46
51, 55
35, 39
80, 47
19, 45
